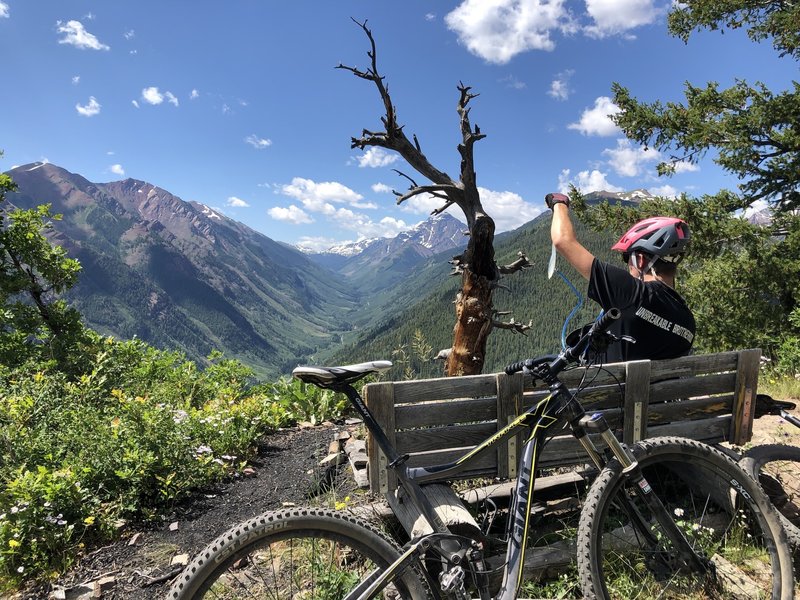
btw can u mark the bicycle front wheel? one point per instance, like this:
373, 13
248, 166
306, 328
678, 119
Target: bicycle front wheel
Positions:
776, 467
623, 552
308, 554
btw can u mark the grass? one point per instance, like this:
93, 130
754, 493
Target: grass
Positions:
780, 387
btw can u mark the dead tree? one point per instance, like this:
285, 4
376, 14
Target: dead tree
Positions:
475, 315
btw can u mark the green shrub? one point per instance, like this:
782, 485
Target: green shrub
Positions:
138, 431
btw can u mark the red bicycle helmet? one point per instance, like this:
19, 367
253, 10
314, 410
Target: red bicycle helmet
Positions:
663, 237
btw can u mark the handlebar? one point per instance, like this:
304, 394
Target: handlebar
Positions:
552, 365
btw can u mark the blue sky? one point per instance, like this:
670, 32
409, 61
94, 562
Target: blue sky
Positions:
238, 105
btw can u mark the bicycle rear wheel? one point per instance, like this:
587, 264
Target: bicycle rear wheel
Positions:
721, 511
307, 554
777, 469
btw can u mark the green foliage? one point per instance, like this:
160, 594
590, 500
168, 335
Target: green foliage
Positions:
34, 323
303, 402
137, 431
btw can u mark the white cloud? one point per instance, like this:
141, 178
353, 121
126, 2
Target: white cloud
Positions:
318, 244
235, 202
514, 83
4, 10
152, 95
596, 120
686, 167
317, 196
90, 109
376, 157
430, 16
322, 197
135, 103
498, 30
76, 79
292, 214
508, 209
381, 188
256, 142
613, 17
586, 181
117, 169
129, 35
667, 191
194, 95
75, 35
628, 160
559, 87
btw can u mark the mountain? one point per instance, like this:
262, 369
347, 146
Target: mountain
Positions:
632, 197
377, 264
180, 275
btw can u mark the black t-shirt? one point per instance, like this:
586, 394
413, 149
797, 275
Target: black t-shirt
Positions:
653, 314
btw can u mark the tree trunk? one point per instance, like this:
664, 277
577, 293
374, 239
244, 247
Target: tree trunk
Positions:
474, 314
473, 325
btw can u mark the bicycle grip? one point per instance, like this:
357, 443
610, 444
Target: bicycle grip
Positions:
518, 366
608, 318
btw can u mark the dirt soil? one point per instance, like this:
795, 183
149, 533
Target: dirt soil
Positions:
287, 471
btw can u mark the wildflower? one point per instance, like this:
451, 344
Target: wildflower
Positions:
203, 450
678, 512
20, 570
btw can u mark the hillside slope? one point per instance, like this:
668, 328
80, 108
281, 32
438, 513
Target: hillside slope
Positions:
182, 276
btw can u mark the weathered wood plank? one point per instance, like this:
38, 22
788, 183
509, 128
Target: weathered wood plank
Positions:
711, 431
744, 396
687, 410
637, 397
453, 436
691, 366
379, 398
442, 388
690, 387
445, 412
509, 404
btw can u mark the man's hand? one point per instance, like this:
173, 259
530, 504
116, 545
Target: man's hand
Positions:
552, 199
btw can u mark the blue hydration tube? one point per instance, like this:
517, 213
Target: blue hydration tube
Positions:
574, 310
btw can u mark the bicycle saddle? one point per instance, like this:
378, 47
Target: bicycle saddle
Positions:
327, 376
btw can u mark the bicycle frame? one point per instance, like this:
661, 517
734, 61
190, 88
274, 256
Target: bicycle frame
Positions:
537, 419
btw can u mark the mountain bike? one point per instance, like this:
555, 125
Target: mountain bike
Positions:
666, 517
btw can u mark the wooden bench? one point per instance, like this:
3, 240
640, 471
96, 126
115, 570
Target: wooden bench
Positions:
706, 397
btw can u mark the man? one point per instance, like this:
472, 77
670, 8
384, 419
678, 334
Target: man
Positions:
653, 313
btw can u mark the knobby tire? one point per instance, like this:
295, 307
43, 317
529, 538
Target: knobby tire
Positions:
298, 553
777, 469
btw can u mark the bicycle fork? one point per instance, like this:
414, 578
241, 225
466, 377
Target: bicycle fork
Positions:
632, 472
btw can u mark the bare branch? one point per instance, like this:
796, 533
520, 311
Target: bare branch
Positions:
433, 190
513, 326
518, 265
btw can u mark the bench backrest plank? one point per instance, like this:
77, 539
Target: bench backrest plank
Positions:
708, 397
